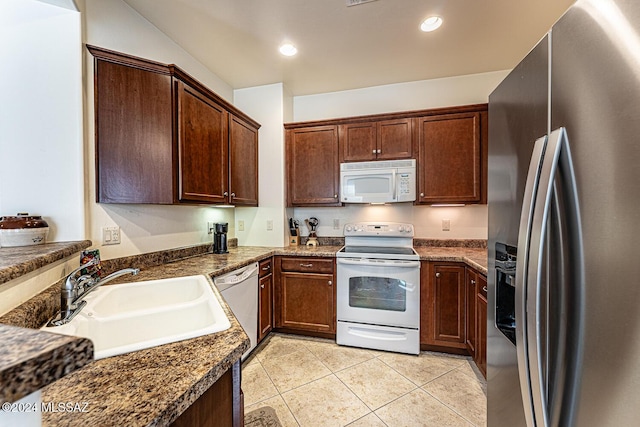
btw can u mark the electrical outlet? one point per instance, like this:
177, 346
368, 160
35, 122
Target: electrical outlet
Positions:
241, 225
210, 225
446, 225
269, 225
336, 224
110, 235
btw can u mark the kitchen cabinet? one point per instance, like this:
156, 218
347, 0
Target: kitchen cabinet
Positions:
376, 140
265, 299
451, 158
442, 319
471, 290
313, 169
164, 138
305, 295
481, 322
221, 405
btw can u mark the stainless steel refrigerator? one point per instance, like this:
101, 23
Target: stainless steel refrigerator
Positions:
564, 226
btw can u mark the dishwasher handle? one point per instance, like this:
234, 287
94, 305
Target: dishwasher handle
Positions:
237, 276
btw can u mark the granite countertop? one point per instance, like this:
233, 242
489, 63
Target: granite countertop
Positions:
18, 261
152, 387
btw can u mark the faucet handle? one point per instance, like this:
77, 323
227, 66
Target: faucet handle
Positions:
71, 280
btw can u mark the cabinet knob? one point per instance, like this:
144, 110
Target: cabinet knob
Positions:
335, 196
484, 288
378, 151
374, 151
473, 282
226, 193
262, 286
421, 194
437, 274
330, 283
233, 194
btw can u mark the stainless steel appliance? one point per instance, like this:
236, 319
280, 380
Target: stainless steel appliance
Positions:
563, 321
220, 230
378, 288
240, 290
389, 181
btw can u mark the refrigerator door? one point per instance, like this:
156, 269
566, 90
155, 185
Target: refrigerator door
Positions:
595, 95
519, 113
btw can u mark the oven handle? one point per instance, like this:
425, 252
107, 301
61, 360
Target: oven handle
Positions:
408, 288
379, 262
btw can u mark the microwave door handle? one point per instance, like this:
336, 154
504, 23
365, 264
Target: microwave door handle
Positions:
395, 189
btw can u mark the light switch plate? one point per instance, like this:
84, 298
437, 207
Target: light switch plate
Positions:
269, 224
446, 225
240, 225
110, 235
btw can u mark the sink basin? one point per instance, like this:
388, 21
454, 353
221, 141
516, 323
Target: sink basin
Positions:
133, 316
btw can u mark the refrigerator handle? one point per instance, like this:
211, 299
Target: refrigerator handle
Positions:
522, 264
557, 156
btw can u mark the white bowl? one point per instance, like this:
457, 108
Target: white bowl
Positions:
23, 236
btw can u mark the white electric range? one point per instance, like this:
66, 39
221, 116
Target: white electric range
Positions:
378, 288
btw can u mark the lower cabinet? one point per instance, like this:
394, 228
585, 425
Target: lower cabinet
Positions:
305, 295
453, 310
265, 299
220, 406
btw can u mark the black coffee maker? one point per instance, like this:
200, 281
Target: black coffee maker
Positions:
220, 237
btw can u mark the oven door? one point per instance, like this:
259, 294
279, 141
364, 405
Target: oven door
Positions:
381, 292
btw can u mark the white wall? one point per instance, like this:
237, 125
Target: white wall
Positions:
144, 228
268, 105
41, 148
466, 222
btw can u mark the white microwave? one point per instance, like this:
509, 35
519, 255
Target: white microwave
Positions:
389, 181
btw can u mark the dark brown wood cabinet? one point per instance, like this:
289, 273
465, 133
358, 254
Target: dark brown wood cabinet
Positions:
265, 299
481, 312
442, 323
450, 168
313, 169
164, 138
305, 295
376, 140
471, 290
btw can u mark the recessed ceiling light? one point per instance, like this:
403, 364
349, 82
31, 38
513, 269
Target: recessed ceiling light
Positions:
432, 23
288, 49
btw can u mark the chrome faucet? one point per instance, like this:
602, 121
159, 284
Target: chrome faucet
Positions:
74, 289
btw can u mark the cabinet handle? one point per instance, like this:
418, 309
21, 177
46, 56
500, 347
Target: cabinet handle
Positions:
233, 194
225, 194
437, 274
306, 265
262, 286
484, 288
268, 267
473, 282
330, 283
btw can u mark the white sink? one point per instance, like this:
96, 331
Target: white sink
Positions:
134, 316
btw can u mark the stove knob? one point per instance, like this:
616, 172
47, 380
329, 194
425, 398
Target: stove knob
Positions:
401, 228
348, 228
408, 230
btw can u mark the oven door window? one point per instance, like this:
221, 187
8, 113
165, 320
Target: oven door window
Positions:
378, 293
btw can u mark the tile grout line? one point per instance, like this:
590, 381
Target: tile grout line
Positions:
450, 408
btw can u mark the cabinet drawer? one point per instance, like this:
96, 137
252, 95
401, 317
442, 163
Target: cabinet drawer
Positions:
307, 265
265, 267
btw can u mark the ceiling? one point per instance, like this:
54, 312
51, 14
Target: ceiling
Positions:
342, 47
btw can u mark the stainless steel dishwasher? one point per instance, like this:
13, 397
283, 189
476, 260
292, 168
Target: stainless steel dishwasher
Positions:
240, 290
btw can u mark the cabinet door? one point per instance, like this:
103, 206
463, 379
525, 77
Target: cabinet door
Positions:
471, 289
134, 135
449, 157
481, 308
446, 299
394, 139
307, 302
243, 162
358, 142
203, 147
313, 166
265, 307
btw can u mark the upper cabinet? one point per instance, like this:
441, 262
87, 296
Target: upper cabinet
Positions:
449, 145
164, 138
313, 169
450, 158
376, 140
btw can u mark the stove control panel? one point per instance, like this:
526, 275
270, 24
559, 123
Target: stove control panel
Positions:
389, 229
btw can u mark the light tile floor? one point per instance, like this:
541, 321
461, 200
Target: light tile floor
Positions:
315, 382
